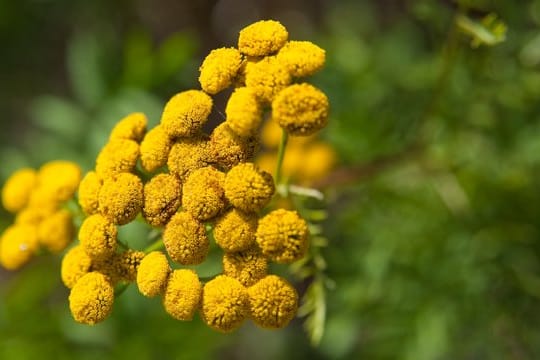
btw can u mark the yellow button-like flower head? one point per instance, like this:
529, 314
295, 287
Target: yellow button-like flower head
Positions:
75, 264
302, 58
185, 113
185, 239
317, 161
282, 236
91, 299
219, 69
98, 237
235, 231
118, 156
203, 196
155, 149
16, 191
301, 109
121, 198
248, 188
247, 266
267, 78
127, 264
153, 274
226, 149
57, 182
162, 197
17, 246
131, 127
187, 155
89, 192
56, 232
183, 294
262, 38
225, 303
273, 302
243, 112
34, 215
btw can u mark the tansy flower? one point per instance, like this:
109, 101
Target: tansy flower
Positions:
127, 264
219, 69
162, 197
248, 188
98, 237
302, 58
131, 127
203, 196
317, 161
262, 38
121, 198
57, 182
282, 236
55, 232
240, 79
34, 215
17, 189
185, 113
75, 264
226, 149
235, 231
91, 299
187, 155
248, 266
185, 239
301, 109
183, 294
118, 156
273, 302
224, 303
155, 149
152, 274
89, 192
243, 112
17, 245
267, 78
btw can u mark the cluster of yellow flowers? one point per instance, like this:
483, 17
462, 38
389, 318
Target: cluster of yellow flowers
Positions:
197, 189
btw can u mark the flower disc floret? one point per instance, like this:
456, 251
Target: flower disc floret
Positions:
183, 294
203, 196
131, 127
262, 38
89, 192
248, 188
235, 231
185, 239
302, 58
56, 231
162, 198
243, 112
121, 198
17, 246
185, 113
155, 149
247, 266
117, 156
98, 237
127, 264
17, 189
226, 149
91, 299
273, 302
224, 303
153, 274
219, 69
267, 78
187, 155
75, 264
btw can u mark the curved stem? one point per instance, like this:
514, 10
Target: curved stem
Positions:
281, 156
157, 245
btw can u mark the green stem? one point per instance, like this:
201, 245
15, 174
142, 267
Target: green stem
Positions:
157, 245
281, 156
119, 290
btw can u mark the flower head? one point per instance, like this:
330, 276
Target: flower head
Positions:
155, 149
224, 303
162, 198
57, 182
98, 237
131, 127
219, 69
317, 161
153, 274
248, 266
17, 189
185, 113
243, 112
302, 58
235, 231
17, 246
183, 294
121, 198
203, 196
273, 302
127, 264
91, 299
267, 78
118, 156
89, 192
55, 232
185, 239
282, 236
75, 264
226, 149
187, 155
248, 188
262, 38
34, 215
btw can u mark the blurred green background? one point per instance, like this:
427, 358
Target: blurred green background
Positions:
434, 230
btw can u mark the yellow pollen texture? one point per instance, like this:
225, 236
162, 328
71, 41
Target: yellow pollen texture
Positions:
235, 231
162, 198
117, 156
248, 188
185, 239
262, 38
75, 264
185, 113
267, 78
219, 69
187, 155
243, 112
226, 149
153, 274
131, 127
302, 58
98, 237
203, 196
121, 198
155, 149
91, 299
89, 192
183, 294
247, 266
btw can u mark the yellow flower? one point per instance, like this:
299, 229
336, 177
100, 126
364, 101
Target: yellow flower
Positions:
185, 113
57, 182
317, 161
247, 266
34, 215
282, 236
127, 264
273, 302
183, 294
248, 188
155, 149
185, 239
262, 38
267, 78
203, 195
226, 149
301, 109
98, 237
121, 198
187, 155
302, 58
219, 69
131, 127
243, 112
117, 156
91, 299
89, 192
241, 76
162, 196
235, 231
56, 231
75, 264
271, 134
224, 303
153, 274
17, 189
17, 245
